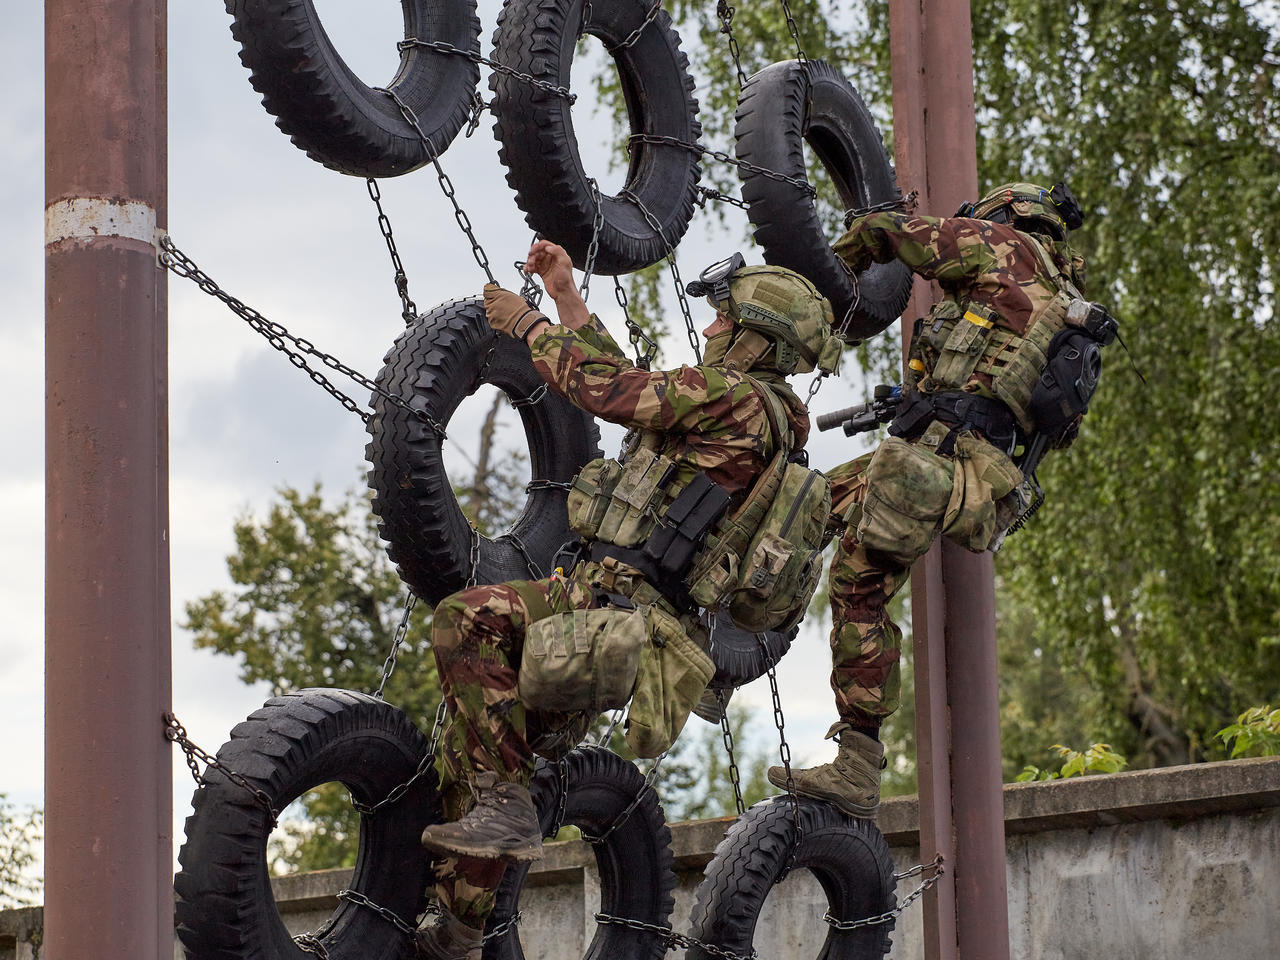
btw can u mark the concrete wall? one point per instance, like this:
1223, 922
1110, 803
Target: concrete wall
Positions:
1182, 862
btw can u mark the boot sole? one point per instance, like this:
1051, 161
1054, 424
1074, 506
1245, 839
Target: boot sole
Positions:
860, 810
524, 851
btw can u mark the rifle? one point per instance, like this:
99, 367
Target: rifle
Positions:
865, 416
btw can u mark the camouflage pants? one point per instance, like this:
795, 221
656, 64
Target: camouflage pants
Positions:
891, 515
477, 636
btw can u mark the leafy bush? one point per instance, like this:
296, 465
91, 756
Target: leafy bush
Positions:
1256, 733
1098, 758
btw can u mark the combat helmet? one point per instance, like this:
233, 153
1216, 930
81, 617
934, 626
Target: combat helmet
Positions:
780, 307
1030, 208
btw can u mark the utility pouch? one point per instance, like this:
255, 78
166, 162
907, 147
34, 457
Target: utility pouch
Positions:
672, 675
634, 502
590, 495
908, 489
983, 475
780, 570
964, 346
582, 660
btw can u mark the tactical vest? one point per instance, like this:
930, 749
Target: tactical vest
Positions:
960, 338
761, 560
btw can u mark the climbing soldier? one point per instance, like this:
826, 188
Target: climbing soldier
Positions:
528, 663
973, 399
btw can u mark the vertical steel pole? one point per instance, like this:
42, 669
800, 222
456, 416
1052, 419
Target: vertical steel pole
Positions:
957, 707
108, 849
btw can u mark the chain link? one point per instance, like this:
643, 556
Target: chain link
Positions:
533, 485
475, 557
725, 12
634, 35
531, 565
593, 248
643, 358
907, 204
794, 29
446, 185
410, 309
891, 915
675, 272
784, 753
727, 735
558, 822
389, 665
531, 400
622, 818
706, 194
672, 939
503, 928
309, 943
442, 46
175, 732
665, 140
279, 337
360, 900
814, 386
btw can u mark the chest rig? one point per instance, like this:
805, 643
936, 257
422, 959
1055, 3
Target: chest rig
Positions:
675, 527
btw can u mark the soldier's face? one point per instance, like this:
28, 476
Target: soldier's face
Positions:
721, 324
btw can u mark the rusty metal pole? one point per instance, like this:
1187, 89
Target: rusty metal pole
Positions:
108, 781
953, 605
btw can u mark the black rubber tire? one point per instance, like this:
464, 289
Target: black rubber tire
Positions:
849, 858
443, 357
637, 876
540, 149
778, 110
739, 656
334, 116
225, 907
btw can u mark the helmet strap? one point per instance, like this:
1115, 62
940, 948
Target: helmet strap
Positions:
746, 350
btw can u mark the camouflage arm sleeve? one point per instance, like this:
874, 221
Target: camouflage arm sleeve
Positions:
597, 335
936, 249
609, 386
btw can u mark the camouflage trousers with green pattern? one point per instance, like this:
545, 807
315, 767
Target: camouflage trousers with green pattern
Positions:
889, 507
477, 637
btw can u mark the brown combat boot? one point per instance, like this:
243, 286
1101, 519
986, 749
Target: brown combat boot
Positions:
851, 782
503, 825
449, 939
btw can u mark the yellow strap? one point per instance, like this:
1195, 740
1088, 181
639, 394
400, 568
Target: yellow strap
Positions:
980, 321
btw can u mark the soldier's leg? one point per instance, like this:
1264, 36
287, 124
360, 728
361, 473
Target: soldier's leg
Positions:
478, 636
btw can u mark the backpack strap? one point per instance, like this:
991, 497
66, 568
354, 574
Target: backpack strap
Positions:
1060, 279
779, 424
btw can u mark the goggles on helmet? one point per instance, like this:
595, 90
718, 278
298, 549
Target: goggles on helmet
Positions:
713, 282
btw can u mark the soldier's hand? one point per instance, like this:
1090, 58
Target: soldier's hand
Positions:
553, 264
509, 312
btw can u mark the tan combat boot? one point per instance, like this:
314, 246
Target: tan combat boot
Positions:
851, 782
449, 939
503, 825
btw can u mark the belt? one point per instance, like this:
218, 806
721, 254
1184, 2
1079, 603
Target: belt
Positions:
961, 411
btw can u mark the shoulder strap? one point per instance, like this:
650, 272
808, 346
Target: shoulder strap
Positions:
1059, 278
777, 414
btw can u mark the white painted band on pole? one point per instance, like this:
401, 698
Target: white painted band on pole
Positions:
88, 218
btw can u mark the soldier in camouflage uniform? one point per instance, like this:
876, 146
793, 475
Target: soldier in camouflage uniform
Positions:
708, 419
946, 468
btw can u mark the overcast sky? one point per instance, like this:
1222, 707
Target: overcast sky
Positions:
301, 244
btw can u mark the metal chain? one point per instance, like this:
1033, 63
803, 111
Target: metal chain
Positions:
444, 47
622, 818
309, 943
614, 720
814, 386
531, 400
530, 564
446, 184
665, 140
475, 557
425, 764
727, 735
725, 12
389, 665
706, 194
503, 928
672, 939
533, 485
795, 35
593, 248
634, 333
175, 732
478, 107
891, 915
784, 752
558, 821
529, 290
410, 309
906, 204
675, 272
360, 900
276, 334
634, 35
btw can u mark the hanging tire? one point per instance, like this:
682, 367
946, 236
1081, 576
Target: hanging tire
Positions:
779, 109
637, 877
444, 356
225, 907
540, 149
847, 856
335, 117
741, 656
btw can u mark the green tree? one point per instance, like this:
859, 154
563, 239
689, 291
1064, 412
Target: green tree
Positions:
21, 831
